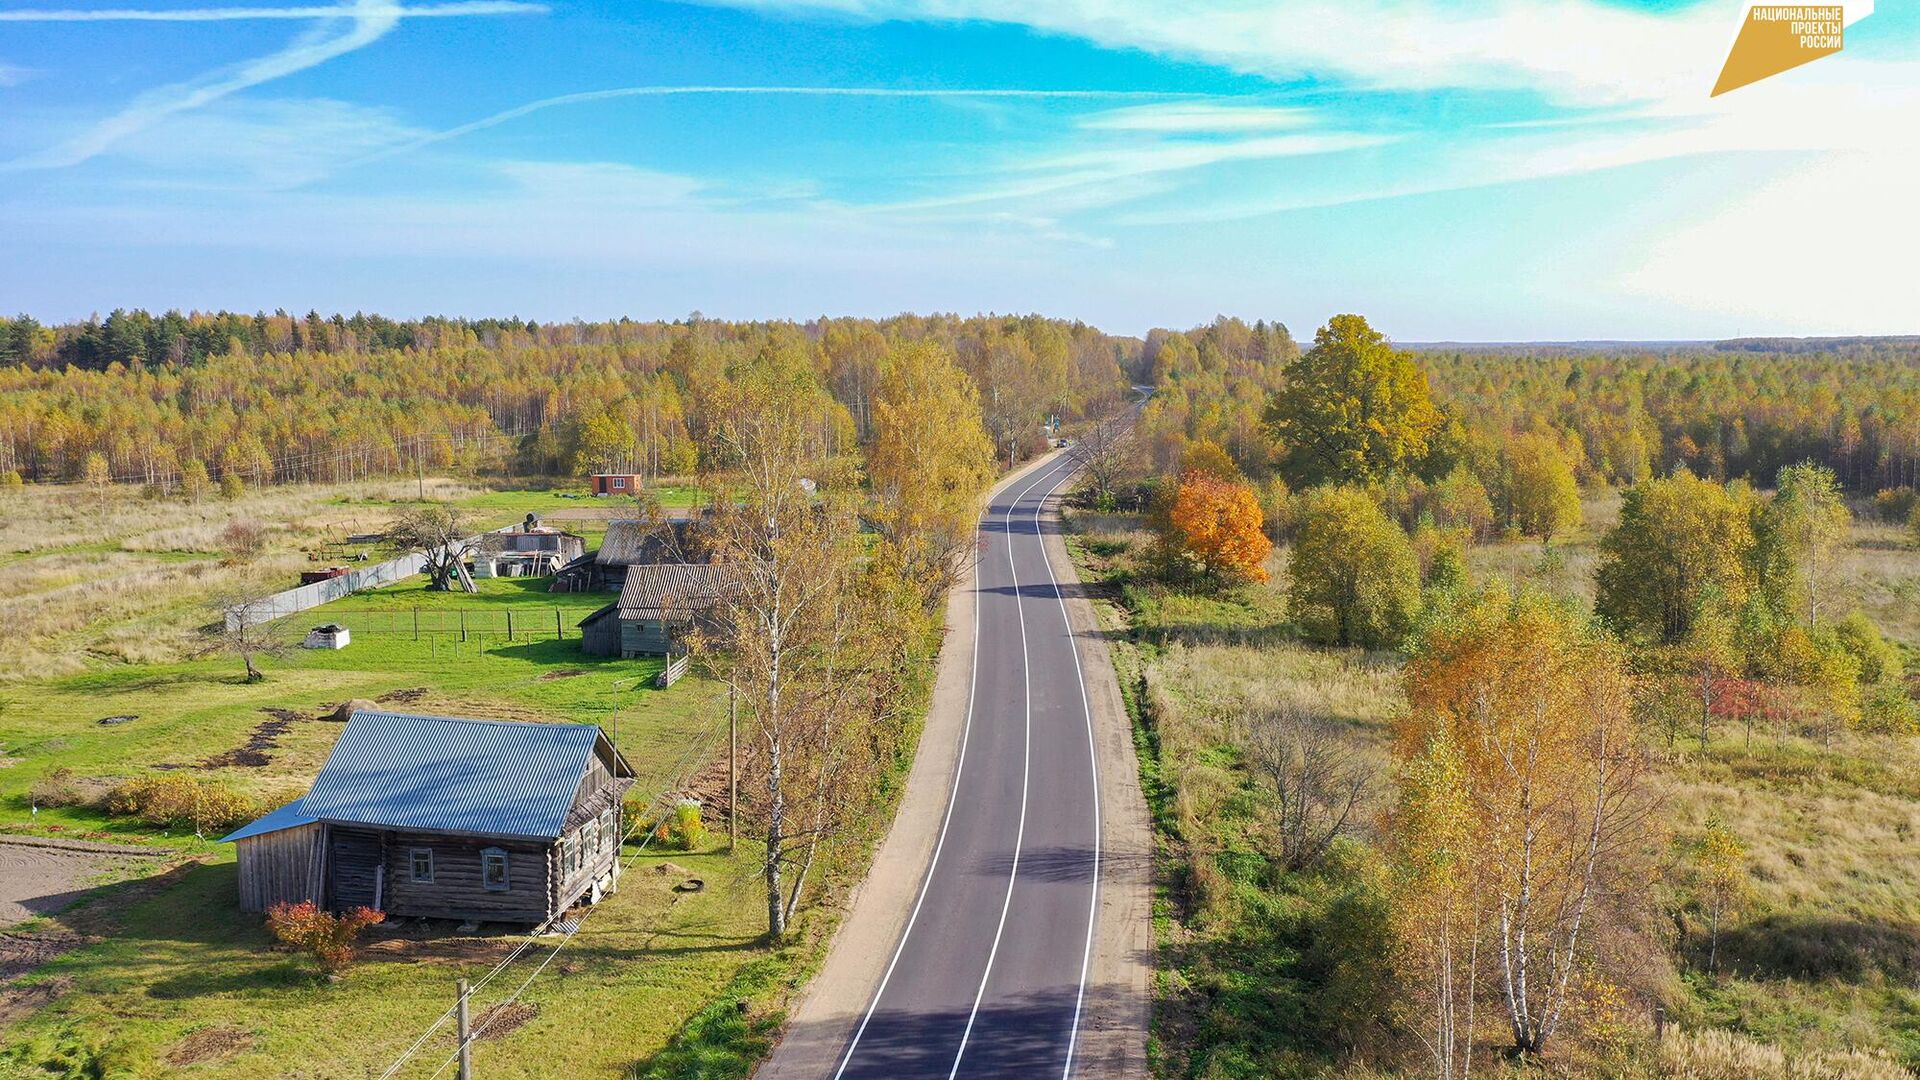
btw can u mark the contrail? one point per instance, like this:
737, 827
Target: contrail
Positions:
804, 91
226, 14
365, 24
370, 20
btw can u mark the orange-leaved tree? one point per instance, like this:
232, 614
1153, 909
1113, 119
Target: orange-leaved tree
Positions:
1217, 524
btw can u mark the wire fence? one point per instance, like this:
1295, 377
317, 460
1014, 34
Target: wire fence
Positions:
520, 622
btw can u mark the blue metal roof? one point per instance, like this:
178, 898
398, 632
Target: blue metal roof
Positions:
290, 816
441, 774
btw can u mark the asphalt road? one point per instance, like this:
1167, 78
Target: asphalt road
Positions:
989, 976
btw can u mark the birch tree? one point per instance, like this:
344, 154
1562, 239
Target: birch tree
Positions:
794, 633
1537, 705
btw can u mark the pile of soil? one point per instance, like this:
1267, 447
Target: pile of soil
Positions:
344, 711
265, 737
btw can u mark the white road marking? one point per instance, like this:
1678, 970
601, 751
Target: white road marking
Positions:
1093, 764
966, 732
1026, 763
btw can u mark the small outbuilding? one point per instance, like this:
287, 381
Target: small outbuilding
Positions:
443, 817
616, 483
330, 636
531, 550
659, 606
629, 543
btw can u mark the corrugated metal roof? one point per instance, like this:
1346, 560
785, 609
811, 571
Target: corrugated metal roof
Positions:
444, 774
291, 816
676, 588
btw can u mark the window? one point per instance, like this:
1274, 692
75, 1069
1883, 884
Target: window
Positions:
619, 482
609, 830
423, 864
493, 870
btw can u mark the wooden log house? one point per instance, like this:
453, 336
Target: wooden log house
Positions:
441, 817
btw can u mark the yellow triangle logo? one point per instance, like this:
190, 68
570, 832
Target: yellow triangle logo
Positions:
1777, 37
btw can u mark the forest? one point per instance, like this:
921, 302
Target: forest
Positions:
182, 402
1521, 711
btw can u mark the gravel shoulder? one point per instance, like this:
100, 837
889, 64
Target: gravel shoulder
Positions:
824, 1017
1113, 1032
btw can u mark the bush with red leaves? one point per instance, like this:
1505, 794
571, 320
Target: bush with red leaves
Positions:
327, 937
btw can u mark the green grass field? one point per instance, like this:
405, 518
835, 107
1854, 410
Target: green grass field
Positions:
180, 958
183, 970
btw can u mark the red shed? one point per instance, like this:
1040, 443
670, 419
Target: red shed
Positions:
615, 483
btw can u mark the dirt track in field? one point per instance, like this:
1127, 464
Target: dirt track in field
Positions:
41, 880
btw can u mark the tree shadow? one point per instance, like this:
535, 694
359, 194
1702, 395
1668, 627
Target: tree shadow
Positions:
1787, 946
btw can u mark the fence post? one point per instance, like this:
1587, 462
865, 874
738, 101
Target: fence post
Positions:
463, 624
509, 624
466, 1037
416, 622
558, 634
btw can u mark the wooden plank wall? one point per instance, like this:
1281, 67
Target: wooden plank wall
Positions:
279, 866
457, 890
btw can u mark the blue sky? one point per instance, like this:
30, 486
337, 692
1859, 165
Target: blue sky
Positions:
1502, 169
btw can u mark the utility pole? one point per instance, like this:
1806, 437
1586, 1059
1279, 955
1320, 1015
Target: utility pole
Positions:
466, 1037
733, 768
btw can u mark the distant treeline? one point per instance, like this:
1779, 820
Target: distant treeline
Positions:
1729, 410
180, 399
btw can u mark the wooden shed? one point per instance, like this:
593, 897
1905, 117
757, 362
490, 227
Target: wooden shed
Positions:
658, 606
442, 817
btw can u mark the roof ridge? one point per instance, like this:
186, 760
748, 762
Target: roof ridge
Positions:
473, 719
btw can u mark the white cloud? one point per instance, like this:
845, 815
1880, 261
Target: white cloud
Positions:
1825, 250
620, 92
231, 14
261, 144
1575, 51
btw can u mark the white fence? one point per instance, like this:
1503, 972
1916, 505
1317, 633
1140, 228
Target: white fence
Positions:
312, 595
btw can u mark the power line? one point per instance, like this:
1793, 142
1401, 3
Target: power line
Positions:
689, 760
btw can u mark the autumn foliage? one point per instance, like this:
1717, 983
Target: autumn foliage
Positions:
327, 937
1217, 524
1524, 823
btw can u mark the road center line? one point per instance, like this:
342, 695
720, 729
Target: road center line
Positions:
966, 731
1026, 763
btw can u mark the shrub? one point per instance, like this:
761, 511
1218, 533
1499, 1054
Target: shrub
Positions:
56, 788
243, 540
326, 937
688, 831
170, 801
1889, 711
232, 487
1895, 505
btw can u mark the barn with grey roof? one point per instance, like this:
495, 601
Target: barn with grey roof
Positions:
444, 817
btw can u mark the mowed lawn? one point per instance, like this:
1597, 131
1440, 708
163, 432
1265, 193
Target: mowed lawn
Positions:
182, 959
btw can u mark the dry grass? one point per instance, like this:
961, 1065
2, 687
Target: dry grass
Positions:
1880, 574
1722, 1055
113, 576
